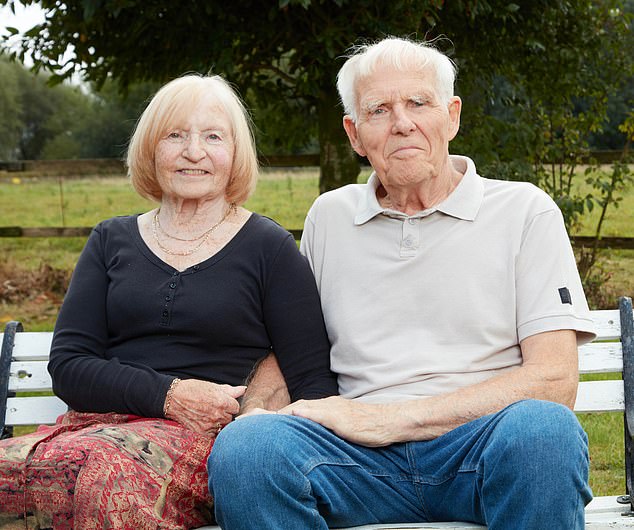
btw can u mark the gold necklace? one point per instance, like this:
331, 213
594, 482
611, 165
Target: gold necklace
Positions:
203, 237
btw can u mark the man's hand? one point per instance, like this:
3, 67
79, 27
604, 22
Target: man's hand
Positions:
360, 423
204, 407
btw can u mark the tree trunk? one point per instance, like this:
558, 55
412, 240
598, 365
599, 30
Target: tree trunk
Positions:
338, 163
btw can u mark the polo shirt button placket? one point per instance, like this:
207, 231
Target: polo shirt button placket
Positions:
410, 237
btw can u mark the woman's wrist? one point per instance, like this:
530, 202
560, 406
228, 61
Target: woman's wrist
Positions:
169, 395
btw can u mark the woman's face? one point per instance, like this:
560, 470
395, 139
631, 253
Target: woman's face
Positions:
194, 158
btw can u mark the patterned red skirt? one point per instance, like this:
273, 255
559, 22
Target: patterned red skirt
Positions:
98, 471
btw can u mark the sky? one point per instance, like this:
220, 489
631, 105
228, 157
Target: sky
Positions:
25, 18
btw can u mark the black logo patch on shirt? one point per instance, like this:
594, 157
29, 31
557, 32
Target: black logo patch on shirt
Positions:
564, 294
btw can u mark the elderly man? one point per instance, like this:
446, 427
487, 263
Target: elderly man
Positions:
454, 308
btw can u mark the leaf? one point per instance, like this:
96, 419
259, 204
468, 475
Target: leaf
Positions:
90, 8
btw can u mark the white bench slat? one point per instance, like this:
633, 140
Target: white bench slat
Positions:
593, 396
28, 376
604, 505
32, 345
400, 526
600, 396
601, 514
454, 525
595, 357
601, 358
34, 410
607, 324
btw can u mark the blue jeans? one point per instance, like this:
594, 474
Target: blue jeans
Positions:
525, 467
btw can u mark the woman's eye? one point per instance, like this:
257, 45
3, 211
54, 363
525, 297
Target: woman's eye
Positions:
175, 137
211, 137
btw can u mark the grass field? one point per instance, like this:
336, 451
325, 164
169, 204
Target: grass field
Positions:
284, 195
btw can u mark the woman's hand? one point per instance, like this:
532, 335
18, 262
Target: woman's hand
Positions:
202, 406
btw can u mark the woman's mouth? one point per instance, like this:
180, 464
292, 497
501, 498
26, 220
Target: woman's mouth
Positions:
193, 172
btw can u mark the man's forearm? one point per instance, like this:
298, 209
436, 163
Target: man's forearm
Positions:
435, 416
549, 372
266, 388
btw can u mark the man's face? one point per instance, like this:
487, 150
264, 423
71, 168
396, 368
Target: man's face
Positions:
403, 126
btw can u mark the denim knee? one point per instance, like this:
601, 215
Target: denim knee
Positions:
543, 422
541, 436
255, 453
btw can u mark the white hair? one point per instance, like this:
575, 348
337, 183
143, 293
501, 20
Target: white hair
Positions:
398, 53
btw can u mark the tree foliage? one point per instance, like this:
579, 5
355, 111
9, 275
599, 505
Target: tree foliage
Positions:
64, 121
10, 109
524, 65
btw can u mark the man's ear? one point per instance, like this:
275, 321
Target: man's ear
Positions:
454, 108
353, 135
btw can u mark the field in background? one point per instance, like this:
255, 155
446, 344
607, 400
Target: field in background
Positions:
284, 195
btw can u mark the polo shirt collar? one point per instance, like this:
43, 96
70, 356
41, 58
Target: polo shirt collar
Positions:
463, 203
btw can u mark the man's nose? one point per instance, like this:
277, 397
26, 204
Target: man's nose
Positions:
401, 121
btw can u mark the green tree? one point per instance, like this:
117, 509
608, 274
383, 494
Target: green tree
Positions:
284, 55
64, 121
113, 115
47, 113
287, 51
10, 108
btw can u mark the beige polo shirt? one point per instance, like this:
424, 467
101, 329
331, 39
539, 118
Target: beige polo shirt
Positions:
424, 304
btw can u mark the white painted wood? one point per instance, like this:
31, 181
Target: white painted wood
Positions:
27, 376
593, 357
601, 358
607, 324
601, 514
32, 345
605, 513
39, 410
606, 504
404, 526
593, 396
600, 396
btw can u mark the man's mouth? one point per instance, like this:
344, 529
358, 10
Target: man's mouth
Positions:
406, 150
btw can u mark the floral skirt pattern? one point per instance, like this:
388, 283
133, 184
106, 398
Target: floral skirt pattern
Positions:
105, 471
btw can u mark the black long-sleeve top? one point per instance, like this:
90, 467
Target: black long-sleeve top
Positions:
130, 322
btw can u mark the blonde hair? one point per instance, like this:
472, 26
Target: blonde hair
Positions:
398, 53
175, 100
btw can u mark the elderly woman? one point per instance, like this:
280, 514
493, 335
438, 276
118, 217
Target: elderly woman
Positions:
166, 315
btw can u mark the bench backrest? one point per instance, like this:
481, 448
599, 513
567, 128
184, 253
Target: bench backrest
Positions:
25, 355
23, 362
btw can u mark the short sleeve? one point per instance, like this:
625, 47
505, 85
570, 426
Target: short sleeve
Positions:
548, 287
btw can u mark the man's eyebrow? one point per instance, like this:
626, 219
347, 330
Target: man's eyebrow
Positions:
372, 104
422, 95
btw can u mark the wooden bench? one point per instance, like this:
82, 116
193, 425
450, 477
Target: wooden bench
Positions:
24, 358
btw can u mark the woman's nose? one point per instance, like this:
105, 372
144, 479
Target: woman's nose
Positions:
193, 149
